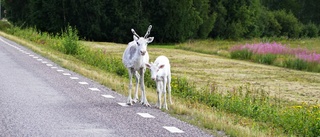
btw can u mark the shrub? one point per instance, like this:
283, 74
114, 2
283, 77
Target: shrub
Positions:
310, 30
244, 54
4, 25
290, 25
297, 64
265, 58
70, 40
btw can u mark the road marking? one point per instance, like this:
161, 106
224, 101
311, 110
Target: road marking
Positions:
54, 67
39, 59
74, 77
94, 89
123, 104
27, 53
83, 83
145, 115
108, 96
49, 65
35, 57
60, 70
31, 55
173, 129
44, 62
66, 74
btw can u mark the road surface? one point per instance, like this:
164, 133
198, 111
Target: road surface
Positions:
40, 98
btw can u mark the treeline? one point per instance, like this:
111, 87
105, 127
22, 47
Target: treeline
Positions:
172, 20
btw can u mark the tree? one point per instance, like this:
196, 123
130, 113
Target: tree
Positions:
176, 20
237, 18
207, 16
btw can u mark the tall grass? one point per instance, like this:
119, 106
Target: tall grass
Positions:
300, 119
256, 104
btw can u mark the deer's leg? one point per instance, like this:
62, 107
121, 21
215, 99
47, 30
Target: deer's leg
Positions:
129, 100
136, 98
169, 89
164, 90
143, 94
158, 105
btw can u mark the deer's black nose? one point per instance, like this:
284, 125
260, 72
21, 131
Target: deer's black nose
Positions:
143, 53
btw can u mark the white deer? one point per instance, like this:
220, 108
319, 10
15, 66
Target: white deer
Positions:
134, 58
161, 74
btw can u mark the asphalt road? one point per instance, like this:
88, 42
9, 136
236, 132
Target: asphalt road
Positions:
39, 98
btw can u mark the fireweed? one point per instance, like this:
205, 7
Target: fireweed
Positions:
267, 53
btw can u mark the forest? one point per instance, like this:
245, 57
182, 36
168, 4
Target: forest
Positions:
173, 21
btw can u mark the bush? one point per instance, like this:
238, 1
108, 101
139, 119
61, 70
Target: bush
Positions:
297, 64
70, 41
310, 30
243, 54
290, 25
4, 25
265, 58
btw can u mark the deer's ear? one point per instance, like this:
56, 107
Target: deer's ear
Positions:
148, 65
161, 66
150, 39
135, 38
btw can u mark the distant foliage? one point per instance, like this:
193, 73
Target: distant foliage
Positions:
290, 25
173, 20
310, 30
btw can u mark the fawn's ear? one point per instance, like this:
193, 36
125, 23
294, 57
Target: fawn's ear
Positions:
150, 39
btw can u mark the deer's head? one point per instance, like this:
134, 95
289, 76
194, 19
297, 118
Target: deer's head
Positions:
142, 42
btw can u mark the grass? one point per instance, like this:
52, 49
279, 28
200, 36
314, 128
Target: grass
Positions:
212, 92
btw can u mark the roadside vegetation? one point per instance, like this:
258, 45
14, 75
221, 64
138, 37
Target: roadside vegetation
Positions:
213, 92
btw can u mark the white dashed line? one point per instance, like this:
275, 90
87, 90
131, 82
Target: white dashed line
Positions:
145, 115
44, 62
31, 55
35, 57
49, 65
54, 67
94, 89
66, 74
74, 77
27, 53
60, 70
123, 104
173, 129
108, 96
83, 83
39, 59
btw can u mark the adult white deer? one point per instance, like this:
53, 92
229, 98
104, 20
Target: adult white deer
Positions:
134, 58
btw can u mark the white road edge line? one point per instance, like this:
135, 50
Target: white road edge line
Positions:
123, 104
173, 129
66, 74
94, 89
108, 96
83, 83
74, 77
145, 115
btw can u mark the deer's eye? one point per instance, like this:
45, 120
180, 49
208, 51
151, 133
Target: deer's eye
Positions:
138, 44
